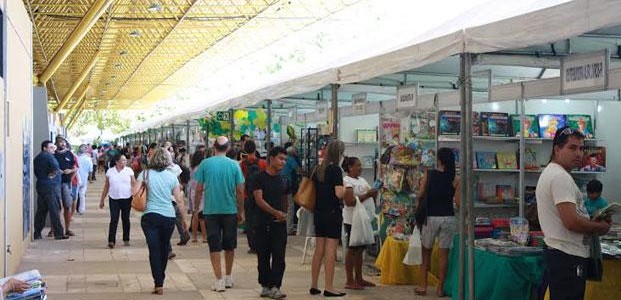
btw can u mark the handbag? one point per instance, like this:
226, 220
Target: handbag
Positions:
305, 196
139, 199
420, 216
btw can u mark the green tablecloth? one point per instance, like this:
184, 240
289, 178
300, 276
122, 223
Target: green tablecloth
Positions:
497, 276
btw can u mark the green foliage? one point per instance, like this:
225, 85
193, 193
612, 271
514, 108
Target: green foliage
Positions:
102, 120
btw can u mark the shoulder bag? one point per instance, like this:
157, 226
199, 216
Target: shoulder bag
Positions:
139, 199
305, 196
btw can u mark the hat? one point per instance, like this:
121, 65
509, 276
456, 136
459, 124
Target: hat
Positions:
61, 137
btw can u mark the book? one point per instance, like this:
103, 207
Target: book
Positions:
506, 160
505, 193
529, 122
530, 159
486, 192
607, 212
486, 160
594, 159
549, 124
483, 123
423, 125
476, 124
581, 123
391, 130
497, 124
530, 195
450, 121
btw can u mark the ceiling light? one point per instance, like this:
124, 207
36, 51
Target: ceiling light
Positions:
135, 33
154, 7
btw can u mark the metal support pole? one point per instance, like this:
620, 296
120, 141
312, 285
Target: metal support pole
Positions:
521, 182
268, 138
187, 137
467, 205
335, 111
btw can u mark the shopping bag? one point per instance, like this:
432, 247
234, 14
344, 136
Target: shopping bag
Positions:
305, 196
139, 199
361, 229
414, 255
306, 222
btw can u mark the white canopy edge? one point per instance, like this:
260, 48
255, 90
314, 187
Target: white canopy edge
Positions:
497, 25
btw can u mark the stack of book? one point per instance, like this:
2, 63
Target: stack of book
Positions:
37, 290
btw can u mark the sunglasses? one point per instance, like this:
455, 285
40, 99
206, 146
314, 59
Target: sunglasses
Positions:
565, 133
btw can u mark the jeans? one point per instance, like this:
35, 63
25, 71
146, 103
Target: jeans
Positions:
566, 274
249, 208
157, 231
271, 242
122, 206
48, 200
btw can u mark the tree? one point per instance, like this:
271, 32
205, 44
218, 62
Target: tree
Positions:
102, 120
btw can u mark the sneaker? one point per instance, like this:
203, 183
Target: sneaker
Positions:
218, 286
277, 294
265, 292
126, 243
228, 281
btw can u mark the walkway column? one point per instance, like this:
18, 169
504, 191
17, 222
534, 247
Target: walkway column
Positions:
335, 111
268, 139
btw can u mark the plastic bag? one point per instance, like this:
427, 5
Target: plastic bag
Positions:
306, 222
361, 229
414, 256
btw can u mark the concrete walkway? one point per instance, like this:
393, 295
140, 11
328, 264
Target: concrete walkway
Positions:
84, 268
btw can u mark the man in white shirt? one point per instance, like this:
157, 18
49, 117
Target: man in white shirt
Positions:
85, 167
564, 219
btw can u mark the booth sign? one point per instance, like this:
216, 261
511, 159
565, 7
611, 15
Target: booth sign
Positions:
581, 73
359, 103
406, 96
223, 116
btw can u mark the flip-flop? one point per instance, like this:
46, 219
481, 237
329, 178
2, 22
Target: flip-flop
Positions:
420, 292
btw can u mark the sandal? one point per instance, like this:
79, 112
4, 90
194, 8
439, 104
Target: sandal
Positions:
158, 291
366, 283
420, 292
69, 233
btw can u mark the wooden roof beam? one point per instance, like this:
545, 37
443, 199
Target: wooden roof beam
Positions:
90, 18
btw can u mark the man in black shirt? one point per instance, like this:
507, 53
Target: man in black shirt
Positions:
270, 227
48, 191
68, 167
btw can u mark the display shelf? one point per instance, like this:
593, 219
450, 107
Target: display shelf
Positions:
497, 170
587, 172
361, 143
456, 138
479, 204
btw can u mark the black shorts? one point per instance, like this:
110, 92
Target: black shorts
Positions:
328, 224
221, 232
565, 273
348, 232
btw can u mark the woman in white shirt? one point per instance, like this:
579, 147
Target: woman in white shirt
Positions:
118, 187
356, 187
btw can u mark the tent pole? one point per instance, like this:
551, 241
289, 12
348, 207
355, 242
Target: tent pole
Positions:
522, 183
335, 111
268, 138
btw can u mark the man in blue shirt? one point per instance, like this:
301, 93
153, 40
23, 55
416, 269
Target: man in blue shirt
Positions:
222, 180
48, 191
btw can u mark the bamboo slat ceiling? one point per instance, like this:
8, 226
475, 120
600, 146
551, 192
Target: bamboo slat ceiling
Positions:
140, 42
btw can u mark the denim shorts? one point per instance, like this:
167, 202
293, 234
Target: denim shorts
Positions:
65, 195
221, 232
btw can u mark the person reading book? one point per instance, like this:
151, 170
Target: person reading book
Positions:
568, 230
594, 201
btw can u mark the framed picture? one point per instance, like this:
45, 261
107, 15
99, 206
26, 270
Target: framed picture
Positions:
366, 135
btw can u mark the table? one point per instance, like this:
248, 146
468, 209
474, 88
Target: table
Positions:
497, 276
394, 272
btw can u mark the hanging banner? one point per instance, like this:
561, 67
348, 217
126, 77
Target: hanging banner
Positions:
359, 103
587, 72
406, 96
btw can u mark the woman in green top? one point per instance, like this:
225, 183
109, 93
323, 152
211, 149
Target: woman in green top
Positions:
158, 220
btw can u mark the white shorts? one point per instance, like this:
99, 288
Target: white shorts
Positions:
442, 228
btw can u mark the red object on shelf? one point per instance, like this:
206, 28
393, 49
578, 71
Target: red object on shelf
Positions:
483, 232
500, 223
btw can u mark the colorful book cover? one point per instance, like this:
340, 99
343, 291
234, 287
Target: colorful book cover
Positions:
450, 122
594, 159
506, 160
486, 160
483, 123
530, 123
486, 192
504, 193
548, 124
581, 123
423, 125
497, 124
476, 124
391, 130
530, 159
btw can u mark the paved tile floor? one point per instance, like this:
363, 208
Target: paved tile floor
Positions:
84, 268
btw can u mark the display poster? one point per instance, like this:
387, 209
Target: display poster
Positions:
359, 103
582, 73
390, 132
406, 96
27, 196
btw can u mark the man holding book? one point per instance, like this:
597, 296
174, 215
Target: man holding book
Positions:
564, 219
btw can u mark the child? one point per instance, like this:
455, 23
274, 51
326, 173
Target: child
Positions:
595, 201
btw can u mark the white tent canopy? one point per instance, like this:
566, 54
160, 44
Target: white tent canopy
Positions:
374, 37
